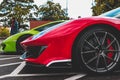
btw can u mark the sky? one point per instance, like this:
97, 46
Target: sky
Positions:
75, 7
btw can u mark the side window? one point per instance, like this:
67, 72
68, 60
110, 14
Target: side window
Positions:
118, 16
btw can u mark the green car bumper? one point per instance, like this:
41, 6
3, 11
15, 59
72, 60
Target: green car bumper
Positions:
9, 44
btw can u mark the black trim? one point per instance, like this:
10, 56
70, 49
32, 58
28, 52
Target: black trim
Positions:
34, 65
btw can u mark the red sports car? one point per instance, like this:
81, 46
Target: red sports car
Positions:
89, 43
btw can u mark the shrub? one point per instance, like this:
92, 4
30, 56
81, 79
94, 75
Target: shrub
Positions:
4, 32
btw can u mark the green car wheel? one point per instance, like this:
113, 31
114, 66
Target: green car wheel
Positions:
19, 48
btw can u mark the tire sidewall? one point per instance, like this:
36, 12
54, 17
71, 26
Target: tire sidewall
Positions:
18, 46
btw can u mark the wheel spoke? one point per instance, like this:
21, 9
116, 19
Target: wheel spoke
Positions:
104, 38
111, 43
112, 50
86, 52
110, 59
98, 58
105, 61
90, 44
91, 60
97, 38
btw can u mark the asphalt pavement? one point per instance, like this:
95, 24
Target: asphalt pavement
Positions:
12, 68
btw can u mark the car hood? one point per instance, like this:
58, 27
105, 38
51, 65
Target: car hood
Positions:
16, 36
72, 26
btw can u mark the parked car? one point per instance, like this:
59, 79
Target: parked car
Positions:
23, 27
91, 43
12, 44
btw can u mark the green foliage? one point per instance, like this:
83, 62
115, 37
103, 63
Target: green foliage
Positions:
25, 1
19, 9
52, 11
4, 32
102, 6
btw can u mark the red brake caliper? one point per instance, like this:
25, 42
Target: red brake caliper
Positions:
110, 54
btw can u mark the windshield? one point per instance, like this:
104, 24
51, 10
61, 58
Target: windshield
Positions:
113, 13
47, 26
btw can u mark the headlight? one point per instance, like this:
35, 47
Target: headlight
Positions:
2, 46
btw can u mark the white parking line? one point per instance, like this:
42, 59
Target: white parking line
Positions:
49, 74
3, 56
4, 76
18, 69
36, 75
22, 65
8, 55
78, 76
8, 58
15, 72
9, 64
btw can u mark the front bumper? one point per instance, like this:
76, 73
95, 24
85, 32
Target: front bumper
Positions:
7, 47
2, 47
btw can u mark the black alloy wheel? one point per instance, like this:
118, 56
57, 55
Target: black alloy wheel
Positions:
99, 50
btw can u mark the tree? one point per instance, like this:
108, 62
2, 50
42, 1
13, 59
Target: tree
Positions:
52, 11
102, 6
19, 9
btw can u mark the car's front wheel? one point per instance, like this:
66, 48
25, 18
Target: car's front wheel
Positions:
98, 50
19, 48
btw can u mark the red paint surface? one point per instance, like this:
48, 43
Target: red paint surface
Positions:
60, 40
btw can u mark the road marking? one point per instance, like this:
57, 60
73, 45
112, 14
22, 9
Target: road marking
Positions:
9, 64
2, 55
4, 76
36, 75
18, 69
8, 58
6, 55
49, 74
22, 65
78, 76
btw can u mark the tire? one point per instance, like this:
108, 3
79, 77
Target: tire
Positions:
19, 48
97, 50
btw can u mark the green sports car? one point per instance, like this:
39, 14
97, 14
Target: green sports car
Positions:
12, 43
